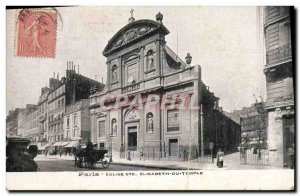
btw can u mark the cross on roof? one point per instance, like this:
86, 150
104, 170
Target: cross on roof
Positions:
131, 11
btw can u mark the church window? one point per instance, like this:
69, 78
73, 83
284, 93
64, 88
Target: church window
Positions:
101, 128
173, 120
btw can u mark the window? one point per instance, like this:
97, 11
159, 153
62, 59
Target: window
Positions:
173, 120
62, 101
75, 120
68, 122
132, 72
149, 123
149, 60
102, 146
113, 127
101, 128
59, 103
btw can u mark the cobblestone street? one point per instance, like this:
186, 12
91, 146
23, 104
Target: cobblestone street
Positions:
68, 165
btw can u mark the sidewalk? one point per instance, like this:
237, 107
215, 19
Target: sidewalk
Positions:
231, 162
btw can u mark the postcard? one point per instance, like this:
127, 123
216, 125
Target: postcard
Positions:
150, 98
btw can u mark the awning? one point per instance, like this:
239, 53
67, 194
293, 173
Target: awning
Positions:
72, 144
56, 144
44, 146
64, 143
47, 145
77, 138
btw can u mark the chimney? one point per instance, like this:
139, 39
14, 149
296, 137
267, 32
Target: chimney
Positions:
54, 75
74, 68
78, 69
58, 75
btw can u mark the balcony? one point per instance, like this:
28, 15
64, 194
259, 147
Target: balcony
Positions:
279, 54
43, 118
132, 87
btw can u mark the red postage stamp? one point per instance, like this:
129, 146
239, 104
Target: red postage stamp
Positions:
36, 33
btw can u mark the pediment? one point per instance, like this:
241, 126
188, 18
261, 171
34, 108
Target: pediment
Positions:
133, 32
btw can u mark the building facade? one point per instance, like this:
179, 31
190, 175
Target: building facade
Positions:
43, 114
279, 70
12, 122
153, 101
32, 125
253, 123
56, 109
77, 120
65, 93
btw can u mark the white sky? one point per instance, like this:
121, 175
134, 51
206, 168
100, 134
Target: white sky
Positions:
223, 40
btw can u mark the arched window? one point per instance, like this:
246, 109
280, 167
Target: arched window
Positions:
114, 74
149, 123
149, 60
113, 127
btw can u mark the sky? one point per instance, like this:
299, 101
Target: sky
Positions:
222, 40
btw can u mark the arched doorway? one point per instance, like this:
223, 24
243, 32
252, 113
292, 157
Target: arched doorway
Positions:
131, 127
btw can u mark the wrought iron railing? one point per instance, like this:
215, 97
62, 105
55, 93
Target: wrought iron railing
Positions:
131, 88
279, 54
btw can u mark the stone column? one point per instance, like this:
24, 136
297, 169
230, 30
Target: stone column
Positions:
120, 71
157, 56
108, 75
275, 140
141, 58
201, 130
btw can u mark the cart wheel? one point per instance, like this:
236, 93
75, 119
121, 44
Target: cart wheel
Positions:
89, 163
105, 162
80, 162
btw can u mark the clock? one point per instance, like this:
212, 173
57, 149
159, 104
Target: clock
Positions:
130, 80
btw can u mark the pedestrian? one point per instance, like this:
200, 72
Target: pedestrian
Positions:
220, 158
60, 152
128, 155
291, 157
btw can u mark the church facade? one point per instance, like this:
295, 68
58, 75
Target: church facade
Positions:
154, 104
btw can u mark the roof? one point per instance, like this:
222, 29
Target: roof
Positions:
173, 60
132, 33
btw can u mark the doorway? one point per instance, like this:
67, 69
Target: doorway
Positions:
173, 147
132, 138
288, 142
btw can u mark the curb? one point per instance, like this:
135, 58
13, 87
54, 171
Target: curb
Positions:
152, 166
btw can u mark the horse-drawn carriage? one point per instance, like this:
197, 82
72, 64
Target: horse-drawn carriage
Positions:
84, 158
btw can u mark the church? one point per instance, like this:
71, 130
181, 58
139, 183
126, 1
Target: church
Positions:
154, 104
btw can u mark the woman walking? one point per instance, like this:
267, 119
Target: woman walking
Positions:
220, 158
